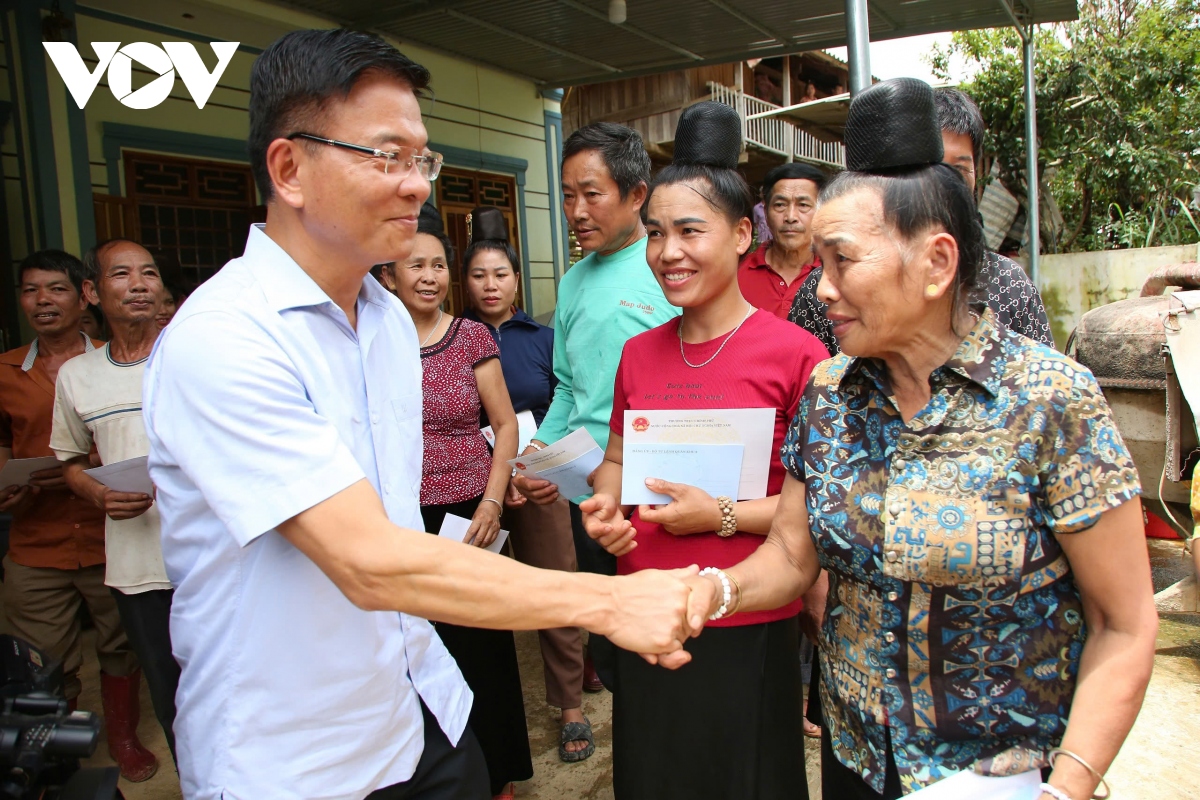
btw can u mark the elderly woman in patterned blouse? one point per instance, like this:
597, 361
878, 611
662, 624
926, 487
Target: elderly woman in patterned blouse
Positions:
990, 604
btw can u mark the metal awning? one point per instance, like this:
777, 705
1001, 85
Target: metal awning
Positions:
571, 42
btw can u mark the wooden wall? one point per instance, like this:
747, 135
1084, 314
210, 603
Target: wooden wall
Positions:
650, 104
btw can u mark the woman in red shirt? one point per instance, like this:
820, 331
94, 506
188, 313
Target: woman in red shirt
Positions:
461, 375
729, 723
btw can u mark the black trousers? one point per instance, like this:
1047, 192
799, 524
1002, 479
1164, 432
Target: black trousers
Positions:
839, 782
146, 617
445, 772
593, 558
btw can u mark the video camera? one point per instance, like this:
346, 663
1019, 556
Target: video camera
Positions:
41, 740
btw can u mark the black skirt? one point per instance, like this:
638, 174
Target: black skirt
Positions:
488, 660
727, 726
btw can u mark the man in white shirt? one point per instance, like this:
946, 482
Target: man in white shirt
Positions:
283, 405
98, 402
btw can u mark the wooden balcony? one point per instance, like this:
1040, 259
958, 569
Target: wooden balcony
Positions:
777, 136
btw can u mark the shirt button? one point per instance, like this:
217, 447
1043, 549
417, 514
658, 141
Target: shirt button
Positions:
374, 419
889, 637
900, 463
781, 283
387, 488
893, 596
892, 555
77, 526
891, 673
894, 509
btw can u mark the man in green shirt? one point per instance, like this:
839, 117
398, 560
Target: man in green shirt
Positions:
604, 300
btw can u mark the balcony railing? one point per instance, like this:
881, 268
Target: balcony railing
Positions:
777, 135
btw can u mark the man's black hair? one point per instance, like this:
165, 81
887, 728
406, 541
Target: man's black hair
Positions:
55, 261
621, 148
958, 113
792, 172
294, 79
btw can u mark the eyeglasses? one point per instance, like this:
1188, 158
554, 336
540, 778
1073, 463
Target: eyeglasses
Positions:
428, 164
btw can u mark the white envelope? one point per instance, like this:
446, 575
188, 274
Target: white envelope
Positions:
714, 468
979, 787
526, 429
455, 527
131, 475
752, 427
16, 471
566, 463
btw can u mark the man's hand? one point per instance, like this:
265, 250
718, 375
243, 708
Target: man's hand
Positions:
691, 510
48, 478
651, 612
123, 505
485, 525
543, 493
604, 522
14, 499
703, 603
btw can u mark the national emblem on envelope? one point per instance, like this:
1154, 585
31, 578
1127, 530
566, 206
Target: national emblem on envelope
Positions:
947, 540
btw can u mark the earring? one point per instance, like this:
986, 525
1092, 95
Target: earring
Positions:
931, 290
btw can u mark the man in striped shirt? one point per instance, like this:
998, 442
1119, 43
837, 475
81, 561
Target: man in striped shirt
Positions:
98, 402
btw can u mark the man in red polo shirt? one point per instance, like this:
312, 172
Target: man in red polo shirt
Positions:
770, 276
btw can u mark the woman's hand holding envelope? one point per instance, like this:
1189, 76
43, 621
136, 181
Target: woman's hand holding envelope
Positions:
691, 510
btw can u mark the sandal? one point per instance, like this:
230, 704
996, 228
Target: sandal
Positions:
576, 732
509, 792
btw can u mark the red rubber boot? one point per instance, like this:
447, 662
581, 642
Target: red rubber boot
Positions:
121, 714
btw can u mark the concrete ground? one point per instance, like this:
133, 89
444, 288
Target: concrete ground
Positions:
1158, 759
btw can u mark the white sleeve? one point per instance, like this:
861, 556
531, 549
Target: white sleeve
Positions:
70, 437
225, 404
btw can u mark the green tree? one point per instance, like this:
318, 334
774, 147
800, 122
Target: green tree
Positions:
1118, 111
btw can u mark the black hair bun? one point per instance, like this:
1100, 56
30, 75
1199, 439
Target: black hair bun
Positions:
708, 134
893, 124
487, 224
430, 221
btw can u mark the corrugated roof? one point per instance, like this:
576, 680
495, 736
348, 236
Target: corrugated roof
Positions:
569, 42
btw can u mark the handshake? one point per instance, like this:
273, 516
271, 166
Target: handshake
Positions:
654, 612
680, 596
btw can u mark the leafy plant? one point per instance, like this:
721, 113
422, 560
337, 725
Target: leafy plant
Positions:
1118, 111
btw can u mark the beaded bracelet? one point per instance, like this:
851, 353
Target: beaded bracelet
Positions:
728, 518
724, 579
1054, 791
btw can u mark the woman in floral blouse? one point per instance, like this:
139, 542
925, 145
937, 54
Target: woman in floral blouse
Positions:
990, 605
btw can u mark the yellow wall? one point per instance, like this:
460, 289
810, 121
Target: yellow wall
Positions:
475, 109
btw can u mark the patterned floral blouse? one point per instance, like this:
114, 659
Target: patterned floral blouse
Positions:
954, 625
457, 461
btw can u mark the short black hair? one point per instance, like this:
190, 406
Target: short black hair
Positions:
724, 189
293, 80
917, 199
55, 261
795, 171
621, 148
91, 259
958, 113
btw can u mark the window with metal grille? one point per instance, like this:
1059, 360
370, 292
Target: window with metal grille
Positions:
197, 211
460, 192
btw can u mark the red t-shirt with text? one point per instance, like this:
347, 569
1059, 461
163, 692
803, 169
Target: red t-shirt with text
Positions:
765, 364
